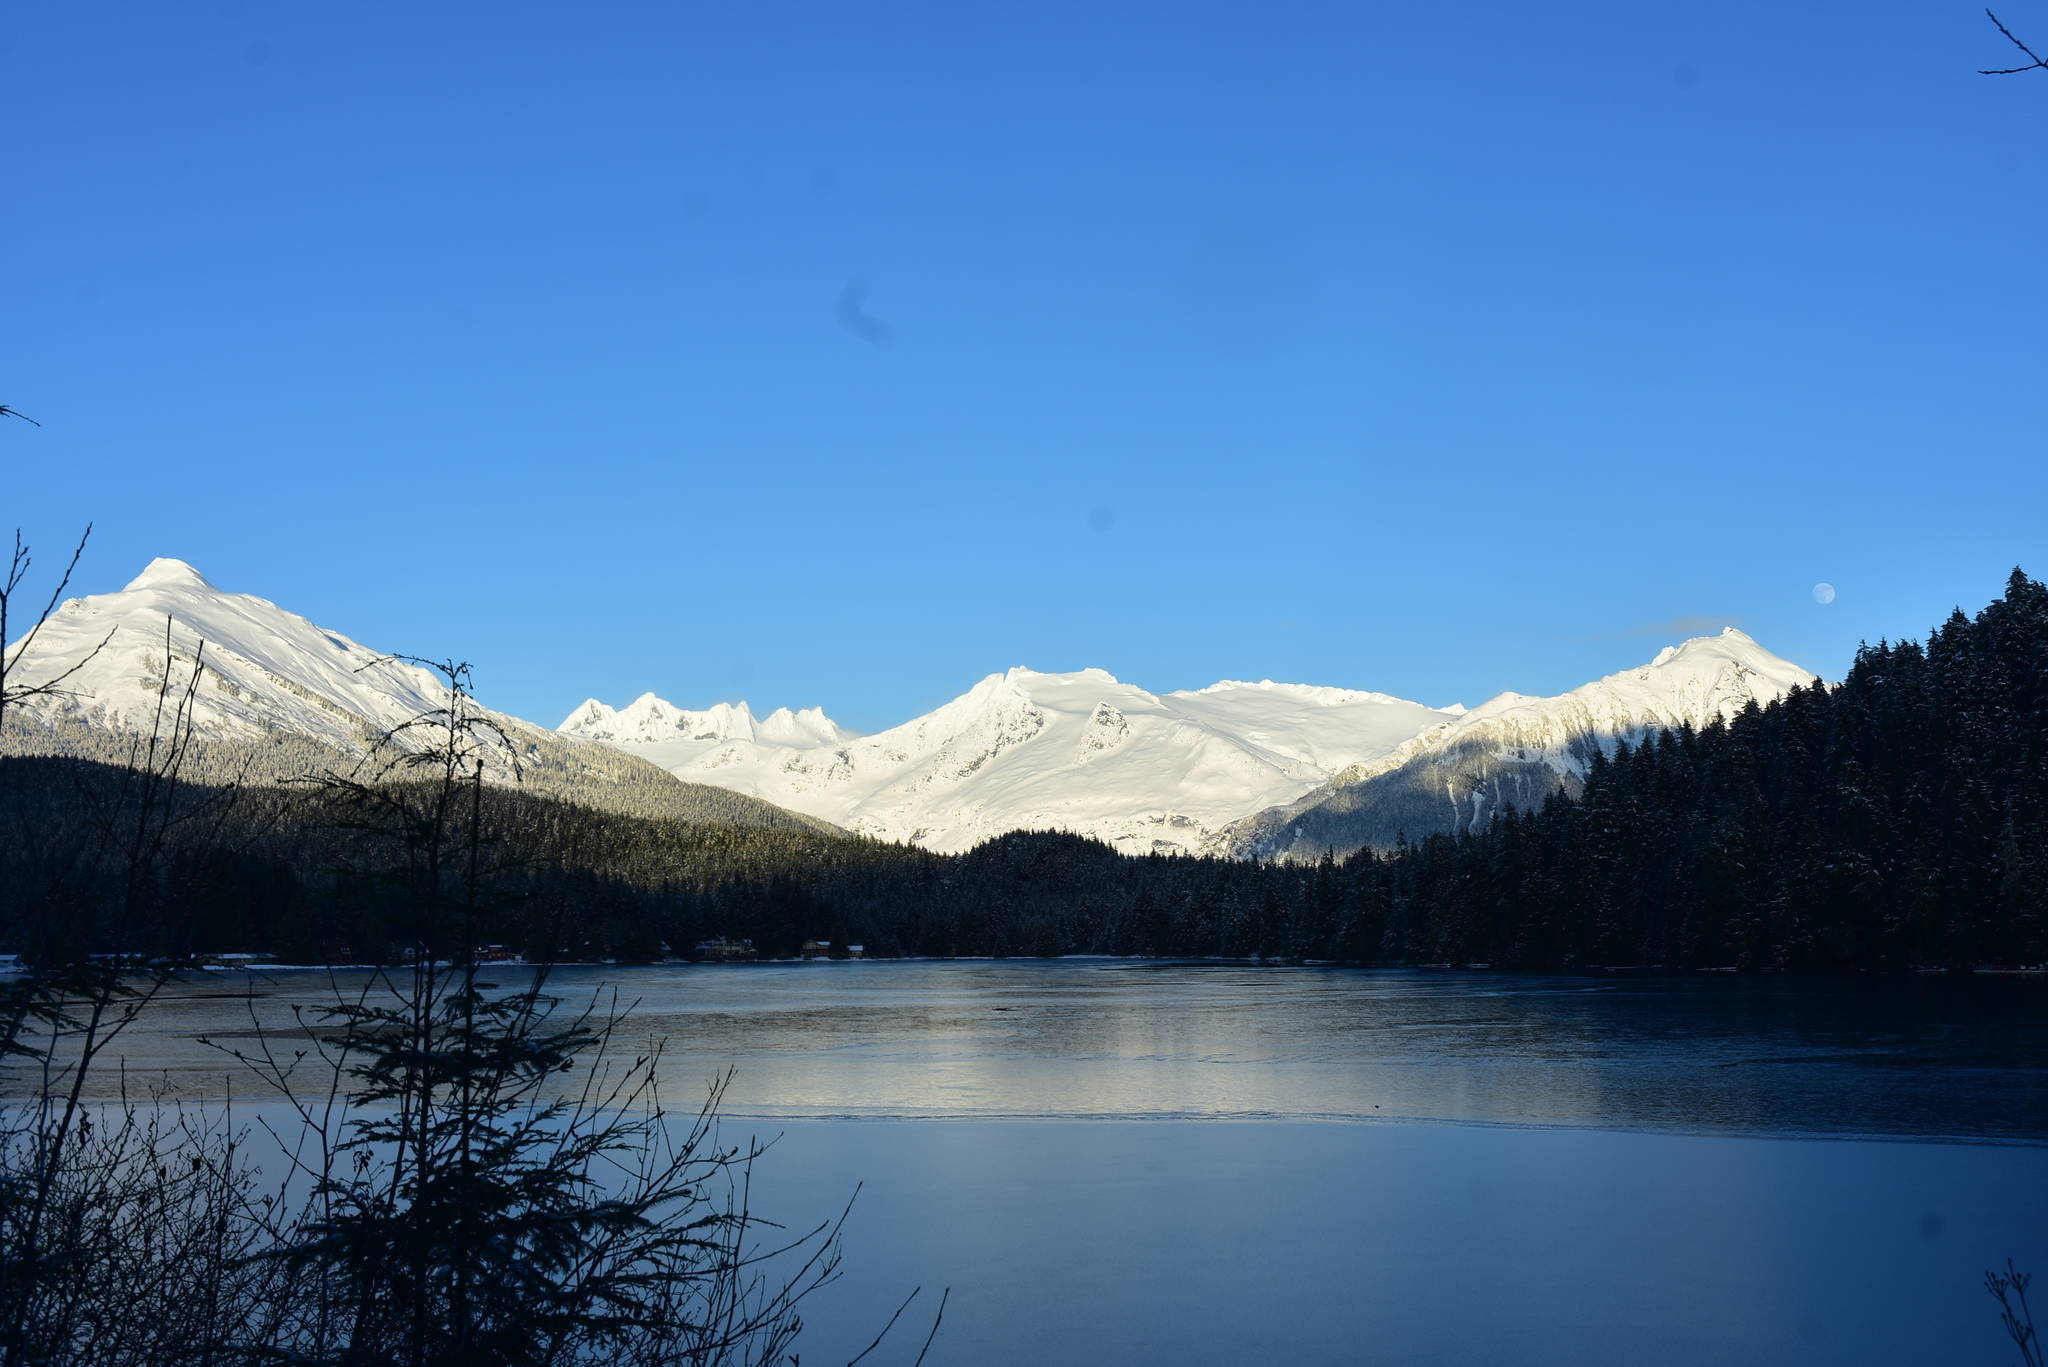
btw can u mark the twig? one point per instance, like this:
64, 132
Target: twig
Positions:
2034, 61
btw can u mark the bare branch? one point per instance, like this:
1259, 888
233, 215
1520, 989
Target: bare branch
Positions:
17, 572
2034, 60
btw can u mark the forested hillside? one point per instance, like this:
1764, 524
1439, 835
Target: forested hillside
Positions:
1898, 819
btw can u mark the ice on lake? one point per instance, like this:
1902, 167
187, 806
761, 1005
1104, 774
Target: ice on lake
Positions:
1118, 1161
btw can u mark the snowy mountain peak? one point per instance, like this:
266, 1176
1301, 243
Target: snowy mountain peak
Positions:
1514, 749
166, 573
1730, 650
1323, 695
802, 729
266, 668
590, 712
1497, 704
1730, 643
651, 720
1022, 679
1694, 681
723, 721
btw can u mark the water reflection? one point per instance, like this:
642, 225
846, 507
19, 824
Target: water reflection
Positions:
1926, 1057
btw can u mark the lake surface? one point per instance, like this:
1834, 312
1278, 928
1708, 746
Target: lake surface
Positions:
1930, 1057
1135, 1162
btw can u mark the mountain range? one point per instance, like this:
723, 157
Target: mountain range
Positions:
1023, 750
1259, 770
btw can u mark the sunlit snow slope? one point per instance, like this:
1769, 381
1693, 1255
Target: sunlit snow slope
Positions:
1028, 751
268, 673
1514, 749
265, 668
1262, 770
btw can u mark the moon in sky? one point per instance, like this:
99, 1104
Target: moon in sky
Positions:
1823, 593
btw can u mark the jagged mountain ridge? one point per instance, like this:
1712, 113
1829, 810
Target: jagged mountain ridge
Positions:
648, 719
1251, 770
1025, 750
272, 676
1513, 750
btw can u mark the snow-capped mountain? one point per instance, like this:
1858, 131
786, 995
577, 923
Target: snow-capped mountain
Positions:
265, 668
1023, 750
1250, 769
1513, 749
270, 674
648, 719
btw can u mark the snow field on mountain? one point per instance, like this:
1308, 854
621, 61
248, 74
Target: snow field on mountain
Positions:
264, 667
1023, 750
1512, 749
1217, 769
1693, 682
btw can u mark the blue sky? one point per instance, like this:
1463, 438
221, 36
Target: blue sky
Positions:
844, 354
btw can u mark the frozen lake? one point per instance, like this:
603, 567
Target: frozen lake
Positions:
1132, 1162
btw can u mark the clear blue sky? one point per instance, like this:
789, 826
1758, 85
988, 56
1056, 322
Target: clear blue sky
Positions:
842, 354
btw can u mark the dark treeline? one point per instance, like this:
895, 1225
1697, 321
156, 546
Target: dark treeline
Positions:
1894, 820
1899, 818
